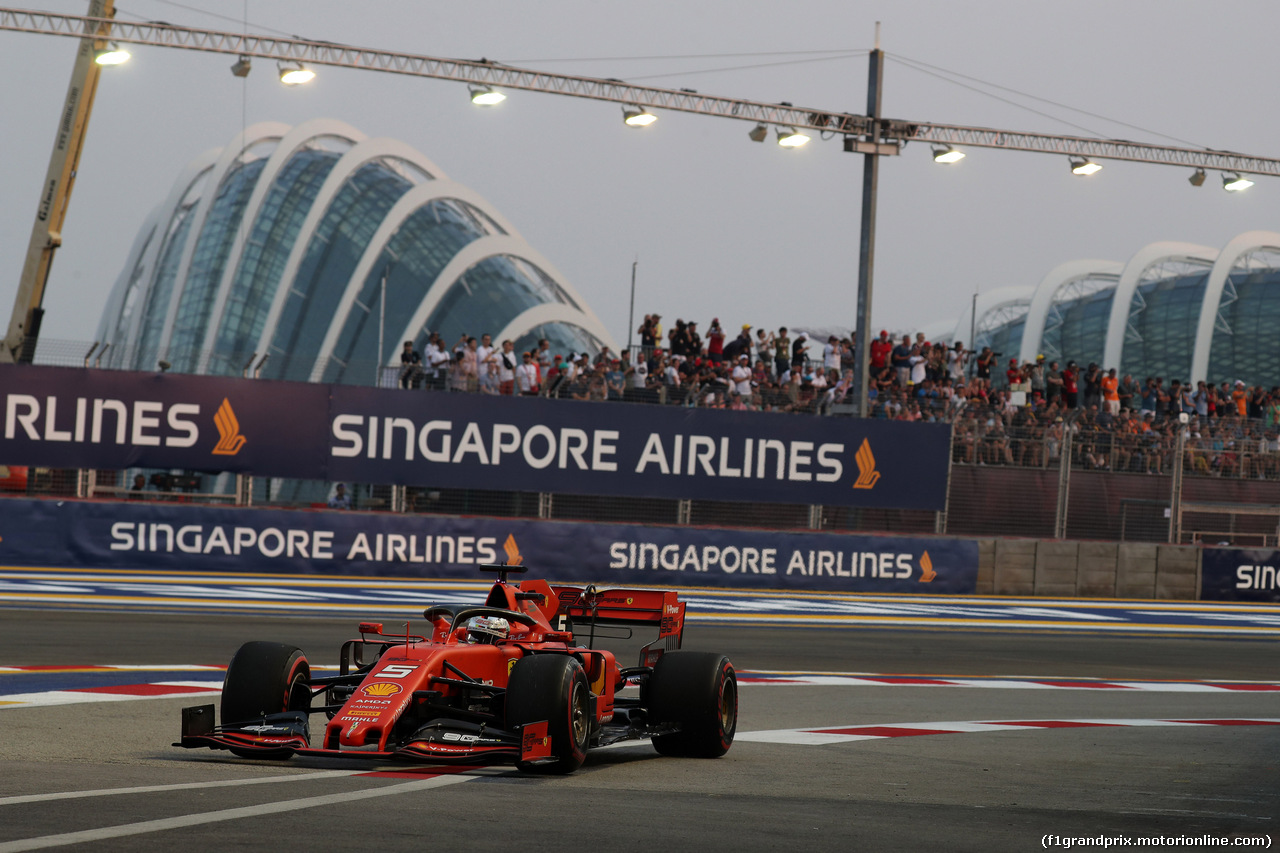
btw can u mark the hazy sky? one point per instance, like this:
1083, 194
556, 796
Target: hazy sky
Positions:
721, 226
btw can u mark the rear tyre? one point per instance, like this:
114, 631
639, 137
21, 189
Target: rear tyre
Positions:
552, 688
698, 693
265, 678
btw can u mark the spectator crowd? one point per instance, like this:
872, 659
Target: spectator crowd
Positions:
1003, 413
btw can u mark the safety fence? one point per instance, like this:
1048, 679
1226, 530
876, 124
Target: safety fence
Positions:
1014, 485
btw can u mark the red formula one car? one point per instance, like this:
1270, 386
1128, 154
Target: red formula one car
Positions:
504, 682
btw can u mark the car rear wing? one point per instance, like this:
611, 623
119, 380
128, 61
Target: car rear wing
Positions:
626, 607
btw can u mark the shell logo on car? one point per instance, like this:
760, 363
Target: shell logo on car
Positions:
381, 688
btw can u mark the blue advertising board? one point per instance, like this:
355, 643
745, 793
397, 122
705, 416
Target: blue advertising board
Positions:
165, 537
73, 418
1239, 574
68, 418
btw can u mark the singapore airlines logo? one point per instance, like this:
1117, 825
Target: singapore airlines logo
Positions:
927, 573
513, 551
867, 473
229, 438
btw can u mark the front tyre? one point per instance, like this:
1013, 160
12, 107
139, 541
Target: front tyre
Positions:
698, 693
265, 678
552, 688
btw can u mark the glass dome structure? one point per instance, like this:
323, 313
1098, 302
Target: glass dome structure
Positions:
1174, 310
312, 245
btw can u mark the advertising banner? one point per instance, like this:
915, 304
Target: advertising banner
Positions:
72, 418
543, 445
138, 535
1239, 574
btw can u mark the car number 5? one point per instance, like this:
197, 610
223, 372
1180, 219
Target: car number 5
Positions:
395, 671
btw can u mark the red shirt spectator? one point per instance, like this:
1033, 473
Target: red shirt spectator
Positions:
1014, 373
715, 342
880, 349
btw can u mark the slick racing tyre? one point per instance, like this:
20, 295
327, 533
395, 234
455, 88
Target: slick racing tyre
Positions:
265, 678
554, 688
698, 693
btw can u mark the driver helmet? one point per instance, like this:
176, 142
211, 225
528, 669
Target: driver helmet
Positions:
487, 629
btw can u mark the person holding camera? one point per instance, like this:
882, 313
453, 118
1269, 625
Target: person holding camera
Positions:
986, 361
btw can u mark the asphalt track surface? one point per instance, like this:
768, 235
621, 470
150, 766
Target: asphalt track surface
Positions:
850, 738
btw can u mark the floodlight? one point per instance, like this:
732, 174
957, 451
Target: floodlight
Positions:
485, 96
1080, 166
791, 138
947, 154
113, 54
1197, 178
241, 67
1233, 183
295, 73
638, 117
758, 133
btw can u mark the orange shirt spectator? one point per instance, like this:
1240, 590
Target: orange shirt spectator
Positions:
1240, 398
1111, 391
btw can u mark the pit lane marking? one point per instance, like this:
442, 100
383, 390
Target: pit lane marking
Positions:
846, 734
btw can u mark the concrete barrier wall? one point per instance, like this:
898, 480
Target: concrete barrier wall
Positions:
1057, 569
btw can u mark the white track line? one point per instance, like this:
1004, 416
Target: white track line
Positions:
162, 825
824, 735
181, 786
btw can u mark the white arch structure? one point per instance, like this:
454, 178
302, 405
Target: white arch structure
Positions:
194, 177
1133, 274
365, 152
553, 312
298, 139
1009, 298
488, 247
1046, 293
134, 271
251, 137
405, 207
1228, 258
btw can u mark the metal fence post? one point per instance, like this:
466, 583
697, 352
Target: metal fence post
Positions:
545, 504
1175, 500
684, 512
244, 490
815, 516
86, 482
940, 518
1064, 487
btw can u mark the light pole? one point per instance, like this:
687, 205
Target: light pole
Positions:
867, 242
631, 315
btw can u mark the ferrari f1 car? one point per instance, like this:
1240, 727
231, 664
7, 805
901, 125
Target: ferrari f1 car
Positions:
506, 682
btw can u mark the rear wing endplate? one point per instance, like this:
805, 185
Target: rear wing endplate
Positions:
627, 607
